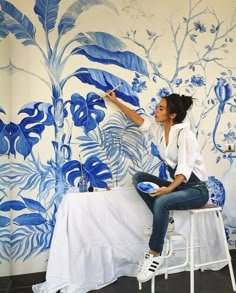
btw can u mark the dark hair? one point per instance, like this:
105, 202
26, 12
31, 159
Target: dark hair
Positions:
179, 105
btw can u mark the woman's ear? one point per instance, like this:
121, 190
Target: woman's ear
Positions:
172, 116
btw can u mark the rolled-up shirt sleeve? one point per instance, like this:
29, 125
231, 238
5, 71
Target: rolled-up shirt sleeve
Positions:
145, 127
186, 155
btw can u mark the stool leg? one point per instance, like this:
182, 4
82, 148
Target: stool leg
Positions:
153, 285
166, 260
191, 253
227, 251
200, 249
139, 285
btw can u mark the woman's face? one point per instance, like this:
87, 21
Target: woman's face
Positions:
161, 113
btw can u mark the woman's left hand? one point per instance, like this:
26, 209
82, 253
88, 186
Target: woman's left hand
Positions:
161, 191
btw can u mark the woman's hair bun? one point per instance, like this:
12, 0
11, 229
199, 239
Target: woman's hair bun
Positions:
187, 102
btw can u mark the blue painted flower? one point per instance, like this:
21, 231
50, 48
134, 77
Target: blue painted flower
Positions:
230, 136
197, 80
223, 90
163, 92
152, 106
178, 81
138, 85
216, 191
199, 27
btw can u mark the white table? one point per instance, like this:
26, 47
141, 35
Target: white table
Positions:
99, 237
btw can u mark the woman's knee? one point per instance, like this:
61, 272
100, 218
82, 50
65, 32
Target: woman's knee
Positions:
137, 177
160, 205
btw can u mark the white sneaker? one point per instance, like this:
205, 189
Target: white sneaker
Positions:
170, 228
149, 267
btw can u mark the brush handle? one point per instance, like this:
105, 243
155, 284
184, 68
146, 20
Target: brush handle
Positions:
112, 90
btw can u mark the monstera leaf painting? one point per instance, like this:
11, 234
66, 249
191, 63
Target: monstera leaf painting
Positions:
93, 169
28, 133
86, 112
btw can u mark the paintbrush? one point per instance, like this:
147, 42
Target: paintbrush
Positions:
112, 90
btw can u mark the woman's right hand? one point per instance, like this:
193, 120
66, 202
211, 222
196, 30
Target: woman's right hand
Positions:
132, 115
111, 96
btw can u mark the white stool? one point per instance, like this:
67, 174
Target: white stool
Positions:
209, 208
190, 248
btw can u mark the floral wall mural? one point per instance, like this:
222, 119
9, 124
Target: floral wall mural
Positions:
59, 59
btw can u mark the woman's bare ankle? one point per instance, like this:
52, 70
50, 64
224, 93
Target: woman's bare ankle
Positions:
153, 252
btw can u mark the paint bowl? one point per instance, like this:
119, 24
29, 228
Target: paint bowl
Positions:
147, 187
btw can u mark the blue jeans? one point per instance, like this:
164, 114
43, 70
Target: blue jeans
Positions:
185, 196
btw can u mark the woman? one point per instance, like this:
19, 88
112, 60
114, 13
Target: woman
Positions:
178, 147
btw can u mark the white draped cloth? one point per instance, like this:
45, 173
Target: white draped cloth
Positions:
99, 236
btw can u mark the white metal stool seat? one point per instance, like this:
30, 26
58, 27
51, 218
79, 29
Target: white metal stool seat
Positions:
208, 208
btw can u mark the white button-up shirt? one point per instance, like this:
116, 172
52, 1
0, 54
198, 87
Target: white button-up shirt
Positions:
182, 149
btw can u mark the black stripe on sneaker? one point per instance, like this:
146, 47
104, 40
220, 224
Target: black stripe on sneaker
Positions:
151, 270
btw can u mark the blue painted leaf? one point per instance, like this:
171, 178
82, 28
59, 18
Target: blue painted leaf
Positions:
102, 40
15, 205
126, 59
105, 81
72, 170
53, 220
5, 176
24, 137
47, 11
95, 171
33, 205
21, 141
1, 110
67, 152
69, 18
3, 29
27, 177
46, 186
55, 145
4, 221
218, 159
18, 24
5, 238
29, 219
4, 138
44, 111
85, 112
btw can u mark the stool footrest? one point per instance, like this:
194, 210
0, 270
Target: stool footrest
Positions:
175, 236
210, 263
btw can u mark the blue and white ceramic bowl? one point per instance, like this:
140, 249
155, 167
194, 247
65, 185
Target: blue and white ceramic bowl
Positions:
147, 187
